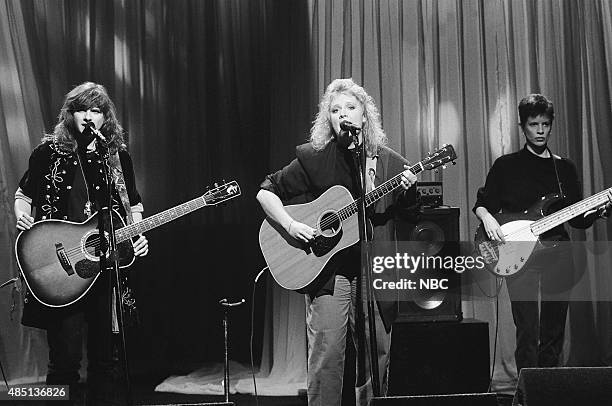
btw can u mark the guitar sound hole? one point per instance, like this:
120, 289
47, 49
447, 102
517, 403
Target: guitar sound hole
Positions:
93, 245
329, 224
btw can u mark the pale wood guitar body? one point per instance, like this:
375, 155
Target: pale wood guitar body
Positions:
294, 265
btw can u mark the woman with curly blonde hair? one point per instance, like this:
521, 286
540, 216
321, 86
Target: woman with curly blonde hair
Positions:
322, 131
333, 300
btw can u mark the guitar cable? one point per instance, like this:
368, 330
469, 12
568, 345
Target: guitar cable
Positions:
252, 331
500, 281
497, 289
4, 376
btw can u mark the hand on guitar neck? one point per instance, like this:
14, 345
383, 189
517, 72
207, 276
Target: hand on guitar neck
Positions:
602, 211
141, 245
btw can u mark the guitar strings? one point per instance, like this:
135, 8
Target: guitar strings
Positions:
496, 243
353, 205
89, 244
185, 208
590, 201
340, 214
131, 228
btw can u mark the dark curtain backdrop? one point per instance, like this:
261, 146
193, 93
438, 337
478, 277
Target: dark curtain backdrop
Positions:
225, 89
193, 82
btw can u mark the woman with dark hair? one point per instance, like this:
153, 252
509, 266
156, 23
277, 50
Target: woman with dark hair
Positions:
65, 181
334, 302
539, 293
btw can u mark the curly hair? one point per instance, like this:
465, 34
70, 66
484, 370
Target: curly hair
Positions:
85, 96
322, 132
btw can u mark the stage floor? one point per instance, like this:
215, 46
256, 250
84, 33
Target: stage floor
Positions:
144, 394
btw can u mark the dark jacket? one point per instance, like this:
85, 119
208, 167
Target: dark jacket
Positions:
313, 172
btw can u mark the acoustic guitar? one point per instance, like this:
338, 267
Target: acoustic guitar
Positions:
59, 259
295, 264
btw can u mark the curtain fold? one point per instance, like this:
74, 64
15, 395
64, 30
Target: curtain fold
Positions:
218, 89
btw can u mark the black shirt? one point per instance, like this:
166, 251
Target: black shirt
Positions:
517, 181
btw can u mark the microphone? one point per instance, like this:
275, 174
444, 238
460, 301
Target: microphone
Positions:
348, 126
224, 302
89, 125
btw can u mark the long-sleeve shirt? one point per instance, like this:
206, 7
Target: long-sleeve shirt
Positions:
518, 180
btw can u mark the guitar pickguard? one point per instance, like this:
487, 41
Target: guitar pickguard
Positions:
323, 244
89, 267
509, 257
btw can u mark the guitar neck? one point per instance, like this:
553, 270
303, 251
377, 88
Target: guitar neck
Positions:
553, 220
376, 194
132, 230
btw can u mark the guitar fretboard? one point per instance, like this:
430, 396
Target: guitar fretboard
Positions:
373, 196
132, 230
553, 220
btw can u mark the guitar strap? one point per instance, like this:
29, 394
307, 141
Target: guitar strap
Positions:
117, 171
128, 300
556, 171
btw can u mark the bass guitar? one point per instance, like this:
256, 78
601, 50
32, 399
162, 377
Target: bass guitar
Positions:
59, 259
294, 264
522, 232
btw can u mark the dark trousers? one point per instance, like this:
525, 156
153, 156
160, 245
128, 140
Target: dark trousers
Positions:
105, 377
539, 298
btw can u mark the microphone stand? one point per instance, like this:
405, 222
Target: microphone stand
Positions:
226, 378
116, 299
359, 156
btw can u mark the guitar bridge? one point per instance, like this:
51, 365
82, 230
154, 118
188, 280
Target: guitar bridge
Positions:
63, 258
488, 252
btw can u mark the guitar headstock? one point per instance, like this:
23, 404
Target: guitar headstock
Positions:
440, 157
222, 193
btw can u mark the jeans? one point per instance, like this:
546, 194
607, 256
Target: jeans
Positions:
328, 318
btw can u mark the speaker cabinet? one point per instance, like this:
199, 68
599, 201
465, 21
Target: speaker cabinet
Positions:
564, 386
464, 399
434, 234
439, 358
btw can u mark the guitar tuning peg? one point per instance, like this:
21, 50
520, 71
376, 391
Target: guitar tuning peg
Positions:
223, 181
216, 184
443, 166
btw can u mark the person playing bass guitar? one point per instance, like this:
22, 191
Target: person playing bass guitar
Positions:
514, 183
